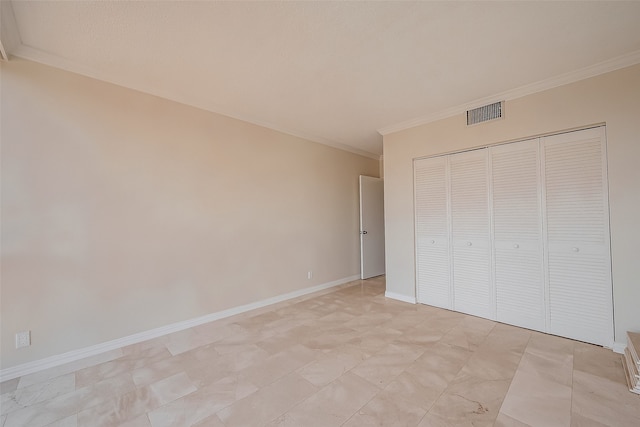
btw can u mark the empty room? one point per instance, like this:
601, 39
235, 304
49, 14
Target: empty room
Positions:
319, 213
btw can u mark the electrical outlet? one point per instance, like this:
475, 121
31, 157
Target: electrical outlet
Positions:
23, 339
309, 274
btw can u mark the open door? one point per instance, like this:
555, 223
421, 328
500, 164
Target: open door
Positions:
371, 227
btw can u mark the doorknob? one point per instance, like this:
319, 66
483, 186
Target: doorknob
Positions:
363, 232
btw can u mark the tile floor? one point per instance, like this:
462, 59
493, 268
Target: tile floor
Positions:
341, 357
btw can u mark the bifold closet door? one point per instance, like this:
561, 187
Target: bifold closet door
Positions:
517, 234
470, 234
433, 266
577, 235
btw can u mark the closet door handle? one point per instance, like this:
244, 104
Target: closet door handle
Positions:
516, 246
433, 242
469, 243
576, 249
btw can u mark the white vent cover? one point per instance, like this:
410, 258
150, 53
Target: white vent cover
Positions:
485, 113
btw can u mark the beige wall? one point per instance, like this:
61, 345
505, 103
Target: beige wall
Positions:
613, 98
123, 212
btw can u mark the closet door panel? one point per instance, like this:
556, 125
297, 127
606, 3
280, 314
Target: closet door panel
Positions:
517, 231
472, 285
433, 267
470, 232
577, 230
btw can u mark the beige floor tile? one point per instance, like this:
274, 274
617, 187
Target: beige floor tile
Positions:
598, 361
579, 420
506, 421
71, 421
9, 385
331, 406
120, 410
538, 401
418, 337
551, 366
203, 403
212, 421
241, 336
464, 337
130, 406
351, 353
604, 411
172, 388
158, 371
382, 368
139, 421
376, 339
224, 348
545, 344
366, 321
65, 405
276, 366
68, 368
432, 420
470, 399
124, 364
387, 409
444, 360
267, 403
229, 363
418, 386
604, 400
34, 416
326, 369
327, 339
36, 393
492, 364
285, 340
406, 321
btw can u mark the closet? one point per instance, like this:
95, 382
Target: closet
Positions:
519, 233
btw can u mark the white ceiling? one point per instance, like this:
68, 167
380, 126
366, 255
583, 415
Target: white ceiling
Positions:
333, 72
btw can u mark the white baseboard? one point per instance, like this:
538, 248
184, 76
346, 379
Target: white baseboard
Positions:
74, 355
618, 347
400, 297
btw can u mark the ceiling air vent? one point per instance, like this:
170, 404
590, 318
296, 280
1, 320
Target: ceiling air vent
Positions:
485, 113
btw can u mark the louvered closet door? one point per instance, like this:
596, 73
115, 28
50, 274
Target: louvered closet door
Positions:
470, 233
517, 230
577, 230
432, 232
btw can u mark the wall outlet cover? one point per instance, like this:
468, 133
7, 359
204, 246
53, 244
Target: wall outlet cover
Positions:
23, 339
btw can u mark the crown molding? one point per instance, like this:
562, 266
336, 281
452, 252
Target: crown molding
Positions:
42, 57
603, 67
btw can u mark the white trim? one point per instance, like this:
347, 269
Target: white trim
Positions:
603, 67
400, 297
72, 356
42, 57
619, 347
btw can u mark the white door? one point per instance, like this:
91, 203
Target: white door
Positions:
517, 233
371, 227
470, 234
433, 258
577, 231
